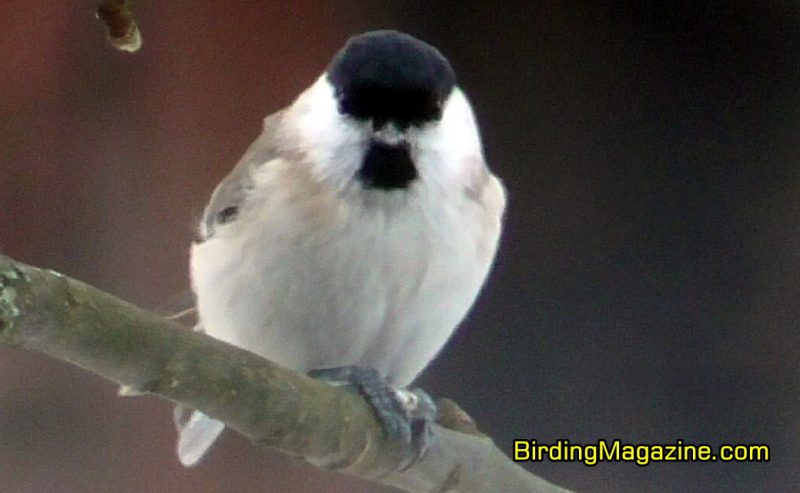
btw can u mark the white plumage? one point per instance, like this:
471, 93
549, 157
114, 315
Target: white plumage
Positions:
316, 271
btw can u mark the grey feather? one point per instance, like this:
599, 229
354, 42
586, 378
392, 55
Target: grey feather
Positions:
231, 193
196, 434
196, 431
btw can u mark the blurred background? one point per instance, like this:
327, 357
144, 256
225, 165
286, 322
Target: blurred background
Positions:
648, 283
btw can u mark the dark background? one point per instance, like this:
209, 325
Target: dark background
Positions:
648, 283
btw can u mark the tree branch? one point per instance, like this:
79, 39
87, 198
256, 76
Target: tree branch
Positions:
329, 427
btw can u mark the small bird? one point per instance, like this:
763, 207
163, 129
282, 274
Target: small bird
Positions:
357, 230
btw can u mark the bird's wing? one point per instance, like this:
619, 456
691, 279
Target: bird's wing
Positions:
196, 431
227, 198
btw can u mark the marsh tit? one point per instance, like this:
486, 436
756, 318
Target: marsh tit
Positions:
358, 228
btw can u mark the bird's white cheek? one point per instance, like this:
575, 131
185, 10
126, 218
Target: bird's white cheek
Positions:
450, 151
332, 144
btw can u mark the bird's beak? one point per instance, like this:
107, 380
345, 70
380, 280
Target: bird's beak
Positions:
389, 133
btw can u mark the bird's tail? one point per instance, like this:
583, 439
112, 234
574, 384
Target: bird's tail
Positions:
196, 434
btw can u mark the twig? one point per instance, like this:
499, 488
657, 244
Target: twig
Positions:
329, 427
123, 33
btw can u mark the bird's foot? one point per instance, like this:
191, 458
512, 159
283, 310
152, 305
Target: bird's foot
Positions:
406, 415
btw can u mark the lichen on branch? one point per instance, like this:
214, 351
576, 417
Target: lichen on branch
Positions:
327, 426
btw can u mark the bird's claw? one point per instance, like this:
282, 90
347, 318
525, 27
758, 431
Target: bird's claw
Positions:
406, 415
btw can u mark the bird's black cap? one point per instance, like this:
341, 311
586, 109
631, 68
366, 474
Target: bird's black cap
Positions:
391, 76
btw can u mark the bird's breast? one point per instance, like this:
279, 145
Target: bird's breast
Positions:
377, 287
